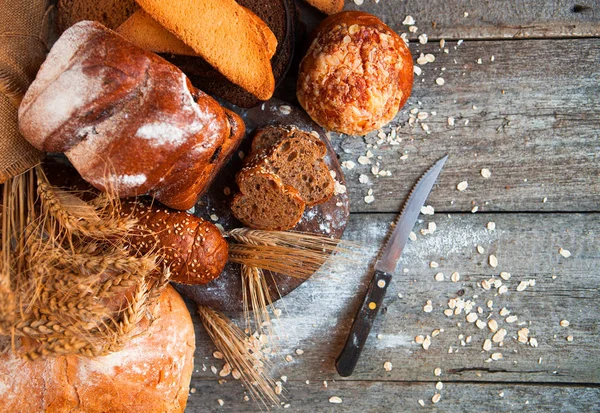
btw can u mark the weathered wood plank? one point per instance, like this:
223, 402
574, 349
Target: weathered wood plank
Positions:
531, 116
317, 316
486, 19
378, 397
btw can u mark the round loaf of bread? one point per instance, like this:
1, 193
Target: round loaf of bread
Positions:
150, 374
356, 75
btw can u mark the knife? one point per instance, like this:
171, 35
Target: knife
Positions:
383, 269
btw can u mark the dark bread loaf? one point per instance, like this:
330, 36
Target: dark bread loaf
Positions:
192, 248
127, 119
111, 13
264, 202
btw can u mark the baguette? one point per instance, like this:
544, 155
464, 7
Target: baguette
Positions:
225, 35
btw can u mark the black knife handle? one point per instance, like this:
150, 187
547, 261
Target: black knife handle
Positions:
362, 324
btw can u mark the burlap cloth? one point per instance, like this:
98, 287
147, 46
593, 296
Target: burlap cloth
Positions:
25, 34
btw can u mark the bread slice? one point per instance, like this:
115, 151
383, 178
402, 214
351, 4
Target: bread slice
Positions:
266, 138
264, 202
143, 31
327, 6
111, 13
224, 34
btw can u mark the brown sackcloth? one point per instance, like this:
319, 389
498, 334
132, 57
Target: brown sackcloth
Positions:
25, 30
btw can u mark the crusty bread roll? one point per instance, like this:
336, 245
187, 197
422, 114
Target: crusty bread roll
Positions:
151, 374
327, 6
127, 119
356, 75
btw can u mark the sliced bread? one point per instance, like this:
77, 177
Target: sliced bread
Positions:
224, 34
143, 31
327, 6
264, 202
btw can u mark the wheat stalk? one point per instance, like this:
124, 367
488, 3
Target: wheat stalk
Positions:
256, 298
242, 353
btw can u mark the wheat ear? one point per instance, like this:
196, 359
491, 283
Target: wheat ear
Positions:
242, 353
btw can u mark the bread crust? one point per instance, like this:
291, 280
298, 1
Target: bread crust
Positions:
327, 6
127, 119
225, 35
192, 248
356, 75
150, 375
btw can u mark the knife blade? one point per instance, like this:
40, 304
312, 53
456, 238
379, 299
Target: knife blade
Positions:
383, 269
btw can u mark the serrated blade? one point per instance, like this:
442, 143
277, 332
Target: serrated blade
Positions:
391, 252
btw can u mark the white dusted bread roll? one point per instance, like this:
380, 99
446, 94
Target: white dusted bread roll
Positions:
151, 374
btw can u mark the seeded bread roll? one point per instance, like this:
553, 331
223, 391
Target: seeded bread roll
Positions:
192, 248
356, 75
151, 374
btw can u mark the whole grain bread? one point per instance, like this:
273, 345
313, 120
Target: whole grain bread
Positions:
224, 34
297, 158
111, 13
264, 202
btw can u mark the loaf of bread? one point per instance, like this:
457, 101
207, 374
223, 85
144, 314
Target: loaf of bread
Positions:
356, 75
284, 165
225, 35
151, 374
127, 120
327, 6
193, 249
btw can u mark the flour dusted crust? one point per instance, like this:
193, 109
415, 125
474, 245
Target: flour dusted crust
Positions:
150, 375
356, 74
127, 119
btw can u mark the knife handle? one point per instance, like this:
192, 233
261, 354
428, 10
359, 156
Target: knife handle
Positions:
362, 324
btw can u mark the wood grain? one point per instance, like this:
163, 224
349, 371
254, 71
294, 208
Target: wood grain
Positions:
486, 19
531, 116
317, 316
383, 397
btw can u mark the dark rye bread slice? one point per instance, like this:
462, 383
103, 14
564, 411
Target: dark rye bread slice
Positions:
264, 202
281, 16
297, 158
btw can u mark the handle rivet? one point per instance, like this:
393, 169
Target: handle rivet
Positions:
372, 305
381, 283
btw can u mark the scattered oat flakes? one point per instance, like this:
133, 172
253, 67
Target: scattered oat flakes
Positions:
348, 164
499, 336
428, 308
417, 70
462, 185
564, 253
278, 387
437, 372
505, 275
363, 160
496, 356
439, 276
485, 172
448, 312
359, 2
421, 402
440, 81
511, 319
569, 338
450, 121
434, 264
387, 366
412, 236
426, 342
213, 369
472, 317
289, 358
436, 398
363, 179
335, 399
408, 20
427, 210
564, 323
221, 402
480, 324
429, 58
493, 261
423, 38
455, 277
503, 289
485, 284
439, 385
523, 335
504, 311
491, 226
533, 342
480, 249
369, 199
487, 344
218, 355
299, 352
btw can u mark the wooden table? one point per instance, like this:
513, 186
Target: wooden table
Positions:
522, 82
